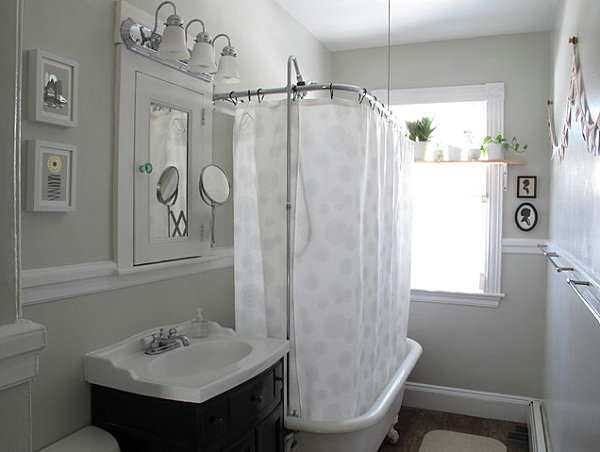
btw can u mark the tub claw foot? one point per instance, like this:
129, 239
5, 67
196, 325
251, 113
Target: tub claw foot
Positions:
393, 436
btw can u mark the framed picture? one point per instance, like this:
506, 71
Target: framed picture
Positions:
526, 186
51, 176
526, 217
53, 85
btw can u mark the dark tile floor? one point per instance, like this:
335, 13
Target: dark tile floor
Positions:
413, 423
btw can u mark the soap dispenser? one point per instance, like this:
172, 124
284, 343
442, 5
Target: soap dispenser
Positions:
199, 325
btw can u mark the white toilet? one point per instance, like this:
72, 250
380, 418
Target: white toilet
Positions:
88, 439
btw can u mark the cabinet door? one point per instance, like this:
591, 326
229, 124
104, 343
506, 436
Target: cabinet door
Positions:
169, 215
246, 444
269, 433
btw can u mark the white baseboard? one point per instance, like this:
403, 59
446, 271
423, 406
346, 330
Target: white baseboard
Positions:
464, 401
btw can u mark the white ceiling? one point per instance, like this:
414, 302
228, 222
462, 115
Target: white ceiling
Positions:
357, 24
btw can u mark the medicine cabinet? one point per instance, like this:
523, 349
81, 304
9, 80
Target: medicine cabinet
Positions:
163, 135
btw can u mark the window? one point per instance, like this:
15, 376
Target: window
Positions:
457, 209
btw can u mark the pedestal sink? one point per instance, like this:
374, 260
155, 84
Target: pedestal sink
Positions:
204, 369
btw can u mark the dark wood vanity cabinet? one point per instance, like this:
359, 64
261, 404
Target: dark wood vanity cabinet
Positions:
247, 418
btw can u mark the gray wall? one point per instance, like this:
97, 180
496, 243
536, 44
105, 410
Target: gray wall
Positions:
82, 30
571, 394
15, 425
497, 350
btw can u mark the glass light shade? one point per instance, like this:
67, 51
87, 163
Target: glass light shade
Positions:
228, 71
203, 58
172, 45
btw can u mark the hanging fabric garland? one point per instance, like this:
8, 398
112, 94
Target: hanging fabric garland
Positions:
577, 98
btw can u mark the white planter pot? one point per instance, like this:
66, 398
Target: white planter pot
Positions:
474, 154
494, 151
420, 149
454, 152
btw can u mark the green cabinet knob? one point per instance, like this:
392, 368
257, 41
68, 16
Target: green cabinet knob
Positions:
146, 168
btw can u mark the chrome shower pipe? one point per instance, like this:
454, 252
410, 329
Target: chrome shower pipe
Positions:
292, 64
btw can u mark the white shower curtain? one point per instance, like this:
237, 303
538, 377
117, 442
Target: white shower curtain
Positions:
351, 247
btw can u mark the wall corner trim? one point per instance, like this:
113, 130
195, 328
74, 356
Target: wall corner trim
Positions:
467, 402
48, 284
20, 345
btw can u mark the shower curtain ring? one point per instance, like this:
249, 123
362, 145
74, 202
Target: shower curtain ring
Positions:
233, 101
361, 98
249, 97
331, 90
258, 96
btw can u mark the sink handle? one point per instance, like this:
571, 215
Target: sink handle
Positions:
155, 341
172, 332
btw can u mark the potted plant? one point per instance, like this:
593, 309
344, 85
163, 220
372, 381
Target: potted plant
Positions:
420, 132
494, 147
473, 153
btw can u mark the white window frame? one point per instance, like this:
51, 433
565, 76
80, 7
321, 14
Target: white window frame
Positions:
493, 94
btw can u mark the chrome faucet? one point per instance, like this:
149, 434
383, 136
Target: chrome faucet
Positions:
161, 343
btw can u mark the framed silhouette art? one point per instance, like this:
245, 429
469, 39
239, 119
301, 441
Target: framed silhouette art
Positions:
526, 217
526, 186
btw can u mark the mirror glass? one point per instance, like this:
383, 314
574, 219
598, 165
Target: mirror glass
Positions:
214, 186
168, 186
169, 150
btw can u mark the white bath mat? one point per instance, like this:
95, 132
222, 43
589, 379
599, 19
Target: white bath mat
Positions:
447, 441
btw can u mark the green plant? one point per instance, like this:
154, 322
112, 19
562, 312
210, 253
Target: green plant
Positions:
513, 144
420, 130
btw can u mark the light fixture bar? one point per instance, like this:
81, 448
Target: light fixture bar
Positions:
137, 37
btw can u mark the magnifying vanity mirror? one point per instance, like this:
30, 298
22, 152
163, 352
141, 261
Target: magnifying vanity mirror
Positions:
167, 188
167, 192
214, 189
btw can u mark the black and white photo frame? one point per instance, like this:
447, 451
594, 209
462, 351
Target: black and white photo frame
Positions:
53, 89
51, 176
526, 186
526, 217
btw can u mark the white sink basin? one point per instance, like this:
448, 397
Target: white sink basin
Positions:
206, 368
200, 356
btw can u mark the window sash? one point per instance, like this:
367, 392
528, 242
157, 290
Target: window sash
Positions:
493, 95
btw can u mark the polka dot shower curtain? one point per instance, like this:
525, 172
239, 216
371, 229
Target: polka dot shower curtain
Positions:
351, 247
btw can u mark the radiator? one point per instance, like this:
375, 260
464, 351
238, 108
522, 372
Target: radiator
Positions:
537, 437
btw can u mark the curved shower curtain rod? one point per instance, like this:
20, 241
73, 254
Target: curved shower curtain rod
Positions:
301, 88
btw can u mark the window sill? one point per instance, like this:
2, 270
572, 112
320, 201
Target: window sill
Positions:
485, 300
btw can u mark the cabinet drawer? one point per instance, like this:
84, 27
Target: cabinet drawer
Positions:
247, 402
215, 421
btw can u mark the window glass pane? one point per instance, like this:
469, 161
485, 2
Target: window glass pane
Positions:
452, 120
449, 227
450, 217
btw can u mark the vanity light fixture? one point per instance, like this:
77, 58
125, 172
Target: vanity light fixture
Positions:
228, 70
171, 48
172, 44
203, 53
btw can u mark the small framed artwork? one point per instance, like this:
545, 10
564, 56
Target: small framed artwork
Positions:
53, 87
526, 217
51, 176
526, 186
